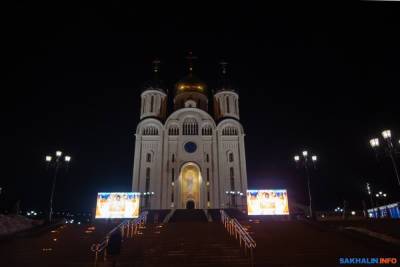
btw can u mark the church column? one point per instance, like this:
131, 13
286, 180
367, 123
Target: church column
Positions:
137, 164
243, 171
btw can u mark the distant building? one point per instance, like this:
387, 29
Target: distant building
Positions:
386, 211
191, 158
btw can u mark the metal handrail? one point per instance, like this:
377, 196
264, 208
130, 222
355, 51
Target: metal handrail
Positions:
235, 229
128, 228
169, 215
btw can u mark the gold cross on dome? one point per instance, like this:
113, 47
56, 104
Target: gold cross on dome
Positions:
223, 66
190, 59
156, 65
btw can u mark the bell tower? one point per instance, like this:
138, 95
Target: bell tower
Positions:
154, 97
226, 99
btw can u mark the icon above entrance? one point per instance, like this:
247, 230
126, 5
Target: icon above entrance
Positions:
190, 182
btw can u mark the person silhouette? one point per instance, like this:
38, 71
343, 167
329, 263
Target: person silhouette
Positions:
114, 246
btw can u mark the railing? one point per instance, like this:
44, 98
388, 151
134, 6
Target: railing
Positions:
235, 229
207, 214
129, 228
168, 216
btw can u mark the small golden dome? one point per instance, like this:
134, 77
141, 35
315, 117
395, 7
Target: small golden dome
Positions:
191, 84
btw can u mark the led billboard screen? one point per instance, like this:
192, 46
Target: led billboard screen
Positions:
117, 205
267, 202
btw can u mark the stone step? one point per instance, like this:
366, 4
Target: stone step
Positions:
184, 244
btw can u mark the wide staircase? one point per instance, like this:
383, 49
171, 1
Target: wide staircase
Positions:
307, 244
187, 240
157, 216
190, 240
188, 216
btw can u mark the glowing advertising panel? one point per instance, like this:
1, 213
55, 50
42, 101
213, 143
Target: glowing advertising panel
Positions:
117, 205
267, 202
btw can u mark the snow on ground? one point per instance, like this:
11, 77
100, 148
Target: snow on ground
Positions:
10, 224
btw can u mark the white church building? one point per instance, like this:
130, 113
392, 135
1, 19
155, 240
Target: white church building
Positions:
195, 156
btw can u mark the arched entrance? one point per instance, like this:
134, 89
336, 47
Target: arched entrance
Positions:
190, 205
190, 181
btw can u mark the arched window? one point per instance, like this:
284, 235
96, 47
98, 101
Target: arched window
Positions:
232, 178
190, 127
208, 174
147, 189
172, 175
150, 130
152, 104
236, 107
206, 130
148, 157
190, 104
173, 158
207, 158
230, 156
227, 105
230, 130
173, 130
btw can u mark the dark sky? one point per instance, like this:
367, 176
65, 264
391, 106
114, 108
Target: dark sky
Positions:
323, 80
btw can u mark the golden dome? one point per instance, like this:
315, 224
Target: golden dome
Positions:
191, 84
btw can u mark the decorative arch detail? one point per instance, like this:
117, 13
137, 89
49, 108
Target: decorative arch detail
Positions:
230, 130
206, 130
173, 130
149, 130
190, 127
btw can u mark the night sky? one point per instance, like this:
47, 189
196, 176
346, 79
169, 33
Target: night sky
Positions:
325, 81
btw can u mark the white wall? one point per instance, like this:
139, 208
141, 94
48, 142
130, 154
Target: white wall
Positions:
162, 146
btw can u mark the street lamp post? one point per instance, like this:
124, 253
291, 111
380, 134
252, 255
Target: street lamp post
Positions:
306, 162
243, 199
388, 148
369, 191
147, 199
229, 198
57, 162
381, 195
233, 197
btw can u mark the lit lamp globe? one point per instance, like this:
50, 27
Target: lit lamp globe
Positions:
374, 142
386, 134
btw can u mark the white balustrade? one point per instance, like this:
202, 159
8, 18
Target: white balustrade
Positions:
235, 229
128, 228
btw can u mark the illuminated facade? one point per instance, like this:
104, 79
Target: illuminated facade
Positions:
191, 158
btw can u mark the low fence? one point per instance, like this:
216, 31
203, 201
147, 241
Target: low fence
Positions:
235, 229
386, 211
128, 229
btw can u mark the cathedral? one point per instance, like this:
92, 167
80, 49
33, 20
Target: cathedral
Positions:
194, 157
